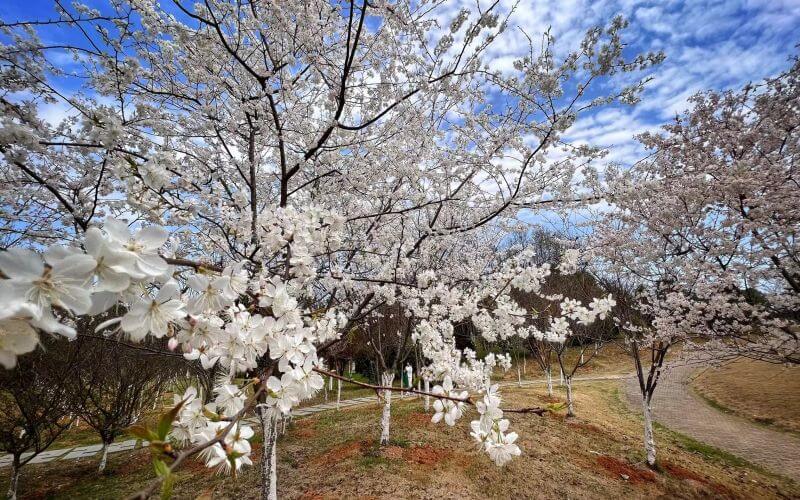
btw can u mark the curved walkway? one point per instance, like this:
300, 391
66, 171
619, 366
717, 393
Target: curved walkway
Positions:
676, 406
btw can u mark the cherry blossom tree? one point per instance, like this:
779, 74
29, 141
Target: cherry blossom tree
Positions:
546, 249
388, 340
719, 195
703, 233
249, 181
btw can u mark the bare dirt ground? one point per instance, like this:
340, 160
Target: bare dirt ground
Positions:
676, 406
334, 455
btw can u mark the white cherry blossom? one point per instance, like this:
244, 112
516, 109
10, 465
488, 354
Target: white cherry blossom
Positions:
153, 316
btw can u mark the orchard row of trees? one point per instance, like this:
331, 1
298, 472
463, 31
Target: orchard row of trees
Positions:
93, 382
252, 185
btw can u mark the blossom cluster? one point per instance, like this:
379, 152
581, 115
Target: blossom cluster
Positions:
492, 310
199, 313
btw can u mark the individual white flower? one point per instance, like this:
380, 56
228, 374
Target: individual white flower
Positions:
448, 409
502, 452
19, 322
308, 381
62, 282
207, 360
153, 316
481, 429
237, 283
236, 449
293, 347
278, 298
210, 293
229, 398
114, 269
199, 331
143, 245
283, 393
16, 334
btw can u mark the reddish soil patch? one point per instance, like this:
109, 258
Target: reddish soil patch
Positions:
679, 472
341, 452
682, 473
392, 452
304, 431
622, 470
312, 495
417, 418
426, 455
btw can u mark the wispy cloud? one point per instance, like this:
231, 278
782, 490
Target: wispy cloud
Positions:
710, 45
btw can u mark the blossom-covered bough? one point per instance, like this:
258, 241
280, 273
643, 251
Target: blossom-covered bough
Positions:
252, 180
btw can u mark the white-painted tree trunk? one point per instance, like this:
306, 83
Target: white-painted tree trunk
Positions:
330, 383
649, 440
12, 487
560, 376
338, 393
427, 398
519, 377
570, 407
524, 366
549, 374
581, 358
386, 380
103, 457
269, 469
325, 390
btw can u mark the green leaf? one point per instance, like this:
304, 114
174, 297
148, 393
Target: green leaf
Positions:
142, 432
160, 467
165, 422
167, 486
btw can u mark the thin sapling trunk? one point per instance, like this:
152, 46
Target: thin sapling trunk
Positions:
269, 472
386, 380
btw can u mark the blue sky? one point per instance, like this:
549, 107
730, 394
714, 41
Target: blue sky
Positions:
709, 44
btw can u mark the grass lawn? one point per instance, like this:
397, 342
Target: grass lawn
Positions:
333, 455
762, 392
611, 359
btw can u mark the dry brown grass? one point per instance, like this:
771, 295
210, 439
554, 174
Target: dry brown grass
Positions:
763, 392
333, 455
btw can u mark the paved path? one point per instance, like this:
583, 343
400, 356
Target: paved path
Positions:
94, 449
676, 406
